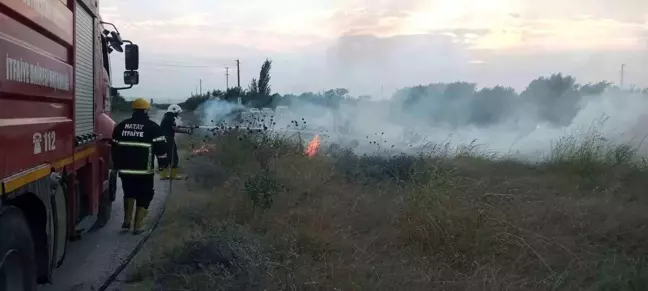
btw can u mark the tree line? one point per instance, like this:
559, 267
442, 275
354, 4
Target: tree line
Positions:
554, 99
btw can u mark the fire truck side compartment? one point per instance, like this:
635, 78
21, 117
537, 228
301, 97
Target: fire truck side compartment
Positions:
84, 73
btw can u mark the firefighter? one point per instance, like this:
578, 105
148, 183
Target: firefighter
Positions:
135, 141
169, 170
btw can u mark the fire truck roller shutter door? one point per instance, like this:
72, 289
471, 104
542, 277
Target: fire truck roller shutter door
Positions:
84, 71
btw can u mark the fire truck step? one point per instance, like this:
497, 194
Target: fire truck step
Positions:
85, 224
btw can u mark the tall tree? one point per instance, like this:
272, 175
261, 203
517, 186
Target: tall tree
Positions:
264, 78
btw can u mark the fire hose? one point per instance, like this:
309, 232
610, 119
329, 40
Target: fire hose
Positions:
213, 127
200, 126
113, 276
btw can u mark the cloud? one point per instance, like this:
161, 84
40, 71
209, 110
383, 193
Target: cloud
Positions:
565, 34
365, 45
195, 20
505, 24
631, 11
379, 20
499, 24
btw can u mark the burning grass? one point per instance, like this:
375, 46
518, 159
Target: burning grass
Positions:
266, 213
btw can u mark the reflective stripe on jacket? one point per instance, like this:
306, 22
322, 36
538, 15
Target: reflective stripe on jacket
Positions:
135, 141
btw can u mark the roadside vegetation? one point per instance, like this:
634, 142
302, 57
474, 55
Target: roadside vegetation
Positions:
258, 214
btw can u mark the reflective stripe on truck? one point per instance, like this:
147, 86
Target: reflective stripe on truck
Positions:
14, 182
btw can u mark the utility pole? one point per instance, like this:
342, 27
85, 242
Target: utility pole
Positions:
226, 78
200, 87
238, 74
622, 71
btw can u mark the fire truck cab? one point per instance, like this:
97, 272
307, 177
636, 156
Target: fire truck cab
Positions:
55, 131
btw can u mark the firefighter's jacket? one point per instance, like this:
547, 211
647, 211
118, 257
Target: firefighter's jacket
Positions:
134, 142
167, 124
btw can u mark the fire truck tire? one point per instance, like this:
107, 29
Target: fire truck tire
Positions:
112, 185
60, 219
17, 257
105, 209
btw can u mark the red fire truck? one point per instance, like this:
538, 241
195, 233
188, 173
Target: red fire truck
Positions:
55, 131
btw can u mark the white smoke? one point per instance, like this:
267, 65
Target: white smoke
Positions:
614, 119
214, 111
367, 126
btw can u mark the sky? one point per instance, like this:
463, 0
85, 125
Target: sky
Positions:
374, 46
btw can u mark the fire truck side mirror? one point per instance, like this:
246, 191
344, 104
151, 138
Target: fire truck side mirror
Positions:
131, 57
131, 77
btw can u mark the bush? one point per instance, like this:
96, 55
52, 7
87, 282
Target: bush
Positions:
262, 188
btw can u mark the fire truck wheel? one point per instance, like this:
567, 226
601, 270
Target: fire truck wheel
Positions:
105, 209
17, 257
60, 219
112, 185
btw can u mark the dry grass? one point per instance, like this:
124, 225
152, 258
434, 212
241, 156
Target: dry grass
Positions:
256, 214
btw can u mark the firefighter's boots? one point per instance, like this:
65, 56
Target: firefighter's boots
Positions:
129, 204
140, 214
175, 174
171, 173
165, 173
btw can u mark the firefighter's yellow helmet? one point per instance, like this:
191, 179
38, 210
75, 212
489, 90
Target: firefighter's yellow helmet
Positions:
140, 103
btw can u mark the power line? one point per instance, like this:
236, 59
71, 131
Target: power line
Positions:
175, 65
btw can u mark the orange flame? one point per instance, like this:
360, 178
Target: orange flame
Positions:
205, 148
313, 146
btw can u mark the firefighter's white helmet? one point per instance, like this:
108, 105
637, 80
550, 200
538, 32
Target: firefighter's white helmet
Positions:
174, 108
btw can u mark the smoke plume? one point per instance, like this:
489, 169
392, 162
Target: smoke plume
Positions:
515, 126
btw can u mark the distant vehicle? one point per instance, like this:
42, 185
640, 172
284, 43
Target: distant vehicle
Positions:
254, 110
56, 130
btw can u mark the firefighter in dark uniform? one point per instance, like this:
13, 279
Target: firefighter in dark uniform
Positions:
169, 170
135, 142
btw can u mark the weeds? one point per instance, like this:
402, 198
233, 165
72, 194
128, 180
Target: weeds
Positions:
261, 188
453, 218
